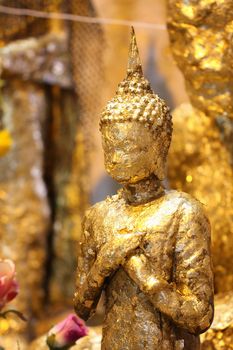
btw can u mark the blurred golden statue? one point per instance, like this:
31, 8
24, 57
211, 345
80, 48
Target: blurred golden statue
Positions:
46, 100
148, 248
201, 155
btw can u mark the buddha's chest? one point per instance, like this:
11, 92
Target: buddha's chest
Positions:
157, 223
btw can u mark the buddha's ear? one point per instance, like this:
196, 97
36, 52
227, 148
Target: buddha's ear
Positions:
160, 168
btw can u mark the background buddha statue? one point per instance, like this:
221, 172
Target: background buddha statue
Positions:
201, 154
201, 159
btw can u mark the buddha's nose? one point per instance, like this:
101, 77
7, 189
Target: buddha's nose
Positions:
115, 159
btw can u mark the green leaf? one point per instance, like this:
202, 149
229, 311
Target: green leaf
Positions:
51, 341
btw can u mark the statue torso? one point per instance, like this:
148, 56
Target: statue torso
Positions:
131, 321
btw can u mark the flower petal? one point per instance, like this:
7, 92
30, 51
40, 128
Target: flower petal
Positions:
8, 284
67, 332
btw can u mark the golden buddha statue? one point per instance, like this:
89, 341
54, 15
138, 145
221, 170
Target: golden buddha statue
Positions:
147, 247
201, 155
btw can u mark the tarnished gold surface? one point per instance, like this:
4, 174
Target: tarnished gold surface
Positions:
148, 248
199, 164
220, 334
201, 41
24, 211
201, 154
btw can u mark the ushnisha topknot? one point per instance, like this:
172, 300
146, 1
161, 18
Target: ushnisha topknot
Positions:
135, 100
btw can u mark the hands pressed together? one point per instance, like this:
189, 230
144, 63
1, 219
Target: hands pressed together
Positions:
124, 251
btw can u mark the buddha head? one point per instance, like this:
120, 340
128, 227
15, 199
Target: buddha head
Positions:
201, 33
136, 127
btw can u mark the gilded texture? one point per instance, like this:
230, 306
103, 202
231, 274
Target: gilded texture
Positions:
198, 156
220, 335
67, 173
24, 212
201, 41
202, 151
148, 248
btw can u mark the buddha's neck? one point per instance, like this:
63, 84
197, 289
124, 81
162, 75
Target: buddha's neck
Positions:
143, 191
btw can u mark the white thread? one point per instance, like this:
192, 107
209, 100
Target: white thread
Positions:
77, 18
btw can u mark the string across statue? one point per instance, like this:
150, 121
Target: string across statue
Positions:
147, 247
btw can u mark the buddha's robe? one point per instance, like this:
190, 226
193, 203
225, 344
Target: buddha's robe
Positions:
174, 248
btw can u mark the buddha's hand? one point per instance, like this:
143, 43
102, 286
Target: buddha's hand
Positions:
139, 269
116, 251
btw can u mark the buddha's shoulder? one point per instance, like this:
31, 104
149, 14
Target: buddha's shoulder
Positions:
183, 202
102, 208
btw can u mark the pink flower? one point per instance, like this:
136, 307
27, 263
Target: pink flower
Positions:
66, 333
8, 285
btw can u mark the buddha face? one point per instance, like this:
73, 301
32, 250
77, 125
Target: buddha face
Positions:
132, 152
201, 33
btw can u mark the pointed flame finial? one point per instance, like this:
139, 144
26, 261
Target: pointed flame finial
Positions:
134, 62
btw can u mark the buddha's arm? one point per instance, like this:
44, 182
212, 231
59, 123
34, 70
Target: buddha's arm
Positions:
88, 282
188, 301
94, 267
